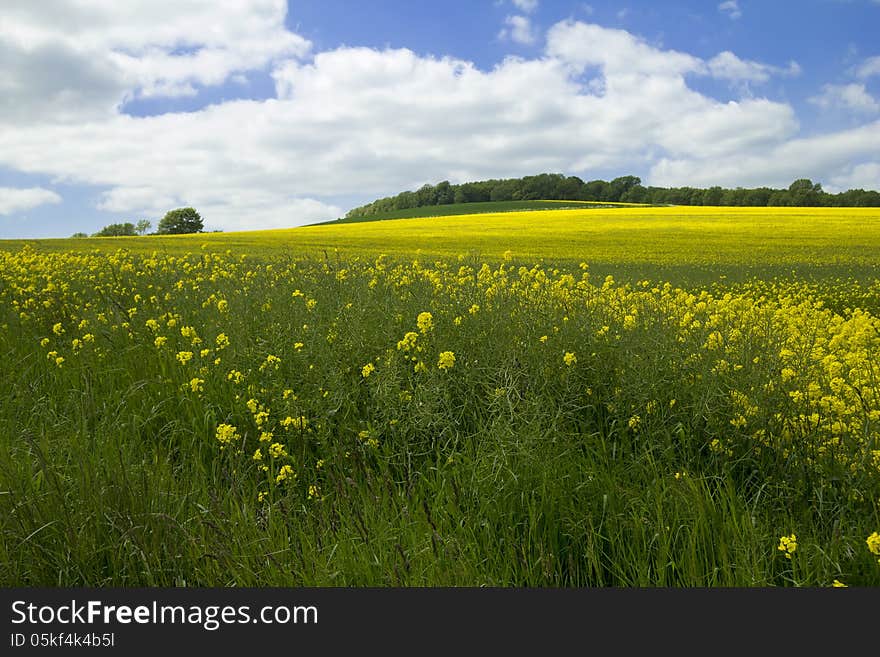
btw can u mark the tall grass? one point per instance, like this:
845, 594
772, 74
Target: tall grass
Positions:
635, 463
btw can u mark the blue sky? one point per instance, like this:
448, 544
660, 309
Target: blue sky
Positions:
262, 113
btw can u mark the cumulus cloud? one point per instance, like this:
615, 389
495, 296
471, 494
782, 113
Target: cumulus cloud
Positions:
361, 122
731, 8
852, 97
519, 30
822, 157
16, 199
861, 176
616, 51
80, 60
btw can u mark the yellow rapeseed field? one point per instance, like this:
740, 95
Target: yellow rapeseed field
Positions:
280, 376
657, 235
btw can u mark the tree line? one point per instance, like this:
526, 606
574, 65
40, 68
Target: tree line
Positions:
175, 222
625, 189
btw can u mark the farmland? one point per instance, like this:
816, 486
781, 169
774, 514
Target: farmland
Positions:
587, 397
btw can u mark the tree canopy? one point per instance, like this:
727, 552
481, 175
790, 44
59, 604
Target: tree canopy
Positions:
180, 221
625, 189
117, 230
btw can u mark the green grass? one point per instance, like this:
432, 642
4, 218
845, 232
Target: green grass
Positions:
510, 469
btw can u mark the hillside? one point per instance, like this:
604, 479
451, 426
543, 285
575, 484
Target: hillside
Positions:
625, 189
486, 207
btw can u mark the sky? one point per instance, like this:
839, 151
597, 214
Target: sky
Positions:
270, 114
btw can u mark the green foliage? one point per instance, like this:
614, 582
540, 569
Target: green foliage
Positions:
143, 226
181, 221
117, 230
459, 208
80, 235
626, 189
509, 469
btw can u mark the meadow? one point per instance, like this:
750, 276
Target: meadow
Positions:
601, 397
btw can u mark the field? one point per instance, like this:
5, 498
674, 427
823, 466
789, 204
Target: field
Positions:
600, 397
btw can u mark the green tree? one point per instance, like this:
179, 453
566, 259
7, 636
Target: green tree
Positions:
803, 192
143, 226
117, 230
80, 235
180, 221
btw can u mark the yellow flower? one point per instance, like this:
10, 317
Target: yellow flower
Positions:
873, 542
276, 450
258, 455
184, 356
222, 341
420, 367
446, 361
235, 376
634, 422
262, 496
226, 434
838, 584
314, 492
788, 545
266, 436
296, 422
368, 369
160, 341
271, 361
286, 472
298, 345
569, 358
408, 342
57, 329
425, 322
197, 385
44, 342
474, 309
222, 305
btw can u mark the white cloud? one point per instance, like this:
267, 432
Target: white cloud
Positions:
16, 199
519, 30
860, 176
731, 8
618, 52
853, 97
727, 66
85, 57
819, 158
528, 6
869, 67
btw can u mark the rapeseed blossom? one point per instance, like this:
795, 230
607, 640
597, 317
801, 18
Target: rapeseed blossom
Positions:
446, 360
425, 322
226, 435
787, 545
